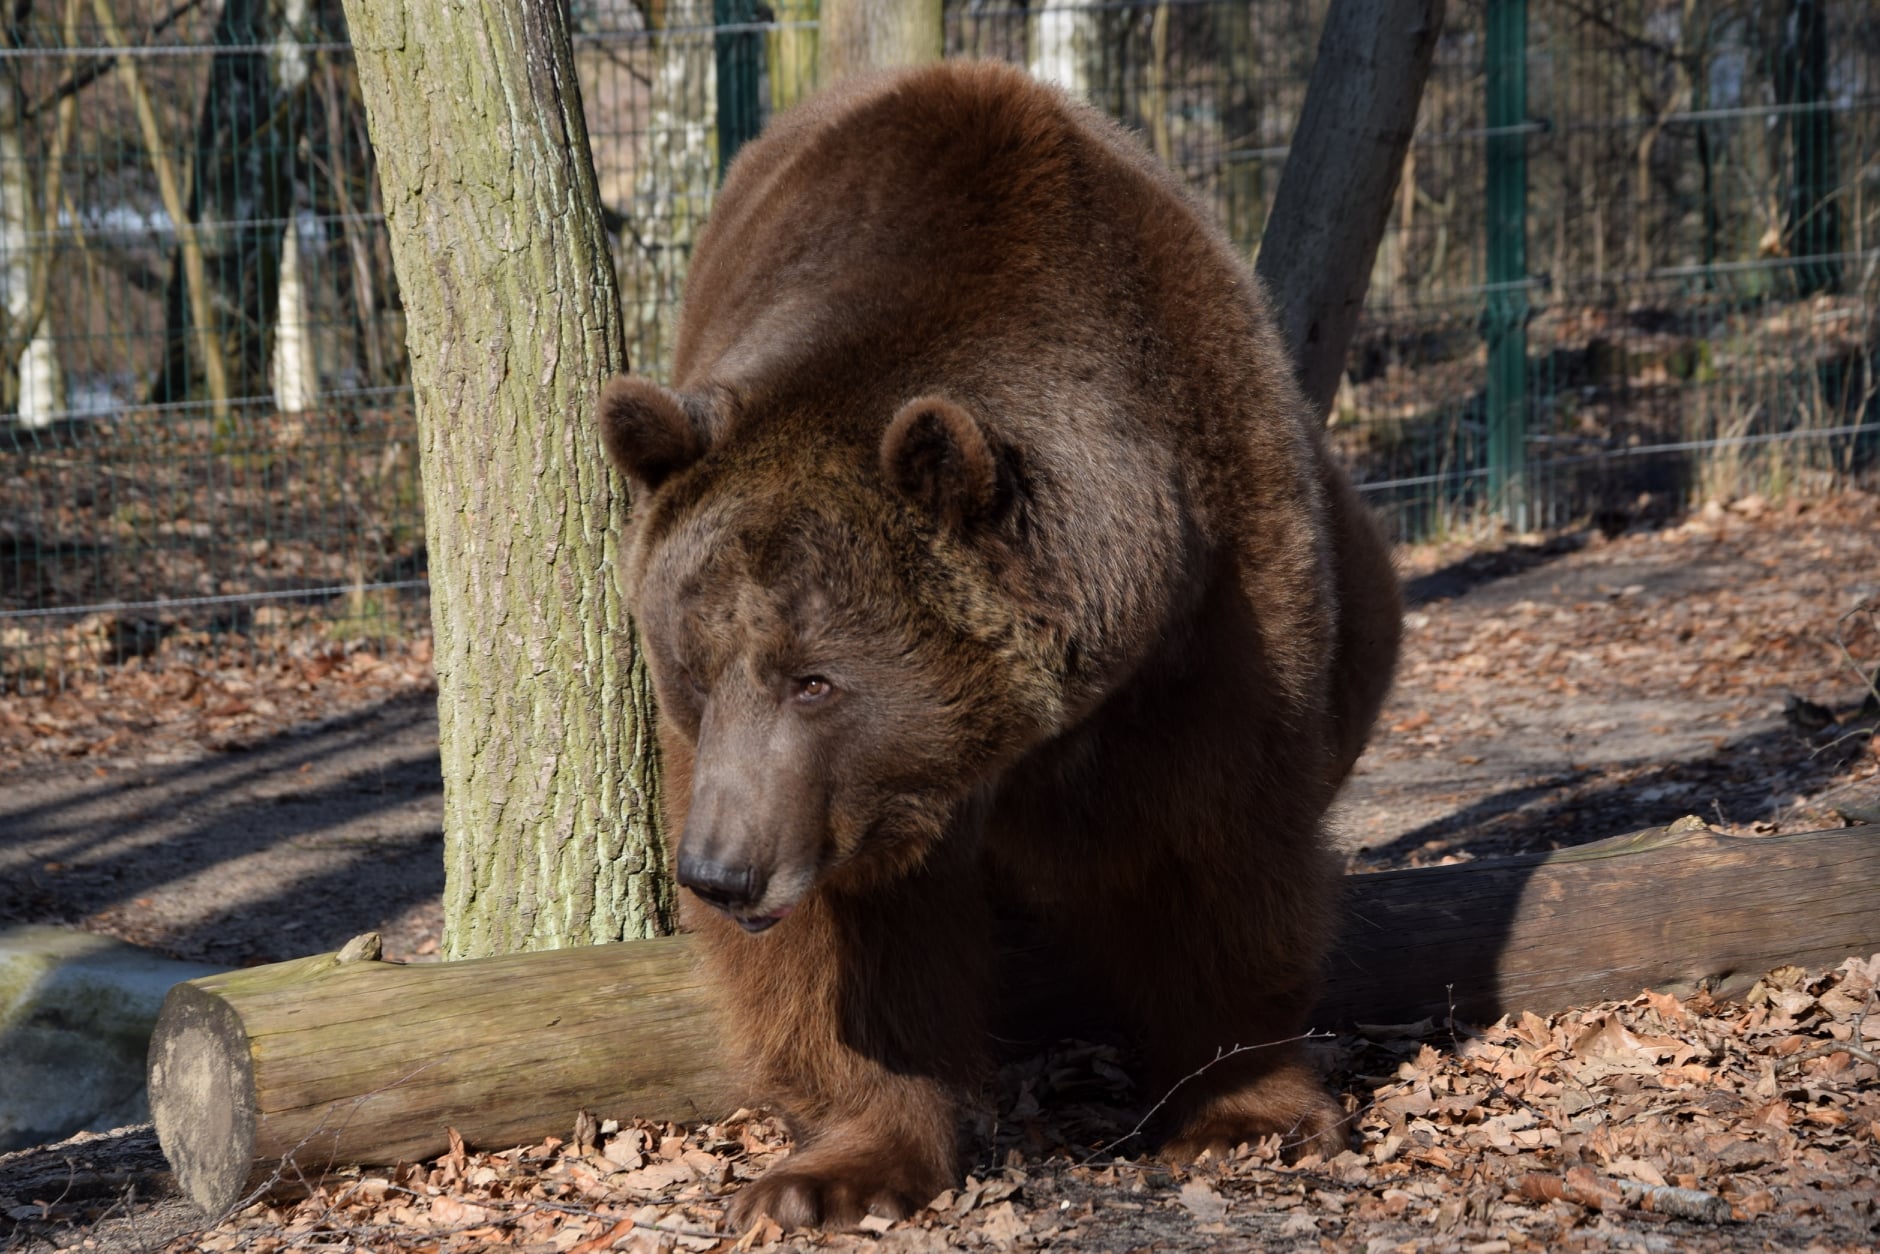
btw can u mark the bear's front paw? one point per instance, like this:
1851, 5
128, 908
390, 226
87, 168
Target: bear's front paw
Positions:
811, 1190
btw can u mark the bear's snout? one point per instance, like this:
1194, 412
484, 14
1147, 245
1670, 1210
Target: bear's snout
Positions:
736, 891
729, 888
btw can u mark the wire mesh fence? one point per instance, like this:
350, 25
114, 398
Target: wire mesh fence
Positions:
1633, 257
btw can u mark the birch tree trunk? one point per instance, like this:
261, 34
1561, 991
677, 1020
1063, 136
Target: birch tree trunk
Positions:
513, 321
1061, 44
35, 385
1079, 45
673, 183
295, 377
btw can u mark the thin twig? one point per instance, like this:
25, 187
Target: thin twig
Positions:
1868, 606
1852, 1045
1220, 1056
81, 79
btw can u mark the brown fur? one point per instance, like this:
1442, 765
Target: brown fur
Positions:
985, 534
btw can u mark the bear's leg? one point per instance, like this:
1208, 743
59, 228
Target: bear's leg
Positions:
863, 1014
1206, 908
1218, 983
1221, 998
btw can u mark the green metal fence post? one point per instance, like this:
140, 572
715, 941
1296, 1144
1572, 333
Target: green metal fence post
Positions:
1505, 318
740, 57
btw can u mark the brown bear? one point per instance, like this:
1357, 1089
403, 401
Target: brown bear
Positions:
984, 545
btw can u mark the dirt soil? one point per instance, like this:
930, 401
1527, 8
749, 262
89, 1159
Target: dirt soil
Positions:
1553, 691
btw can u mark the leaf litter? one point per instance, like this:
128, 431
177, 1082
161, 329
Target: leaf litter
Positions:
1656, 1123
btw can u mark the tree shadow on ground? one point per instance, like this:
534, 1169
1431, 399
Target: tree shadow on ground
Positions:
1479, 569
1576, 805
276, 832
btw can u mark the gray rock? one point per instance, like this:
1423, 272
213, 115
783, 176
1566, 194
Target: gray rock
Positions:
75, 1017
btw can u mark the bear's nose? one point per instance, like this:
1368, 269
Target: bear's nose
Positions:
726, 887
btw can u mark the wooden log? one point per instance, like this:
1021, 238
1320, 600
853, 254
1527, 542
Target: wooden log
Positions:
1669, 908
340, 1059
292, 1068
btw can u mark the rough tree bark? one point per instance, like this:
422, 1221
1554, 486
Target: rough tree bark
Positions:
1335, 196
513, 321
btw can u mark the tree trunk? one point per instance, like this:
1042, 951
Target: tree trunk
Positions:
292, 367
858, 36
551, 834
34, 384
1243, 173
242, 186
1812, 227
363, 282
296, 379
337, 1062
189, 276
1335, 196
674, 178
35, 387
1064, 45
791, 53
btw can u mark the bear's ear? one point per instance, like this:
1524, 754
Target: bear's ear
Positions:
937, 455
650, 433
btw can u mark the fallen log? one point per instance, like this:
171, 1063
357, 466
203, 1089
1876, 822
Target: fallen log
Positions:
1673, 908
276, 1071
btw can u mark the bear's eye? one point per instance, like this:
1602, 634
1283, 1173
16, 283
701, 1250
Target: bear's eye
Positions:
813, 688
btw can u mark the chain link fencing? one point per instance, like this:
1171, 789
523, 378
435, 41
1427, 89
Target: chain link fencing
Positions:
1632, 261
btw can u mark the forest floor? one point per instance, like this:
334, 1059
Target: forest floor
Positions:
1553, 691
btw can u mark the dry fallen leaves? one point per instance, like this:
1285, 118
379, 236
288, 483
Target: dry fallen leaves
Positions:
1700, 1125
166, 708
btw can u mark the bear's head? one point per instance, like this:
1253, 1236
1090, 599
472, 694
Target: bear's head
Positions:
826, 633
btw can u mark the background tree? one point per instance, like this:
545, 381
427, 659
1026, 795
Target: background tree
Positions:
1066, 42
1336, 195
861, 35
241, 186
675, 174
513, 320
291, 366
32, 383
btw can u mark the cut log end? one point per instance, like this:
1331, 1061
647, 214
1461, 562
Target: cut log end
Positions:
202, 1096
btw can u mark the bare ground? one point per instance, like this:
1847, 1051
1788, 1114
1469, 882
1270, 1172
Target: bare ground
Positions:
1553, 691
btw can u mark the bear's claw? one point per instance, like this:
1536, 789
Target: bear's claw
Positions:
808, 1193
